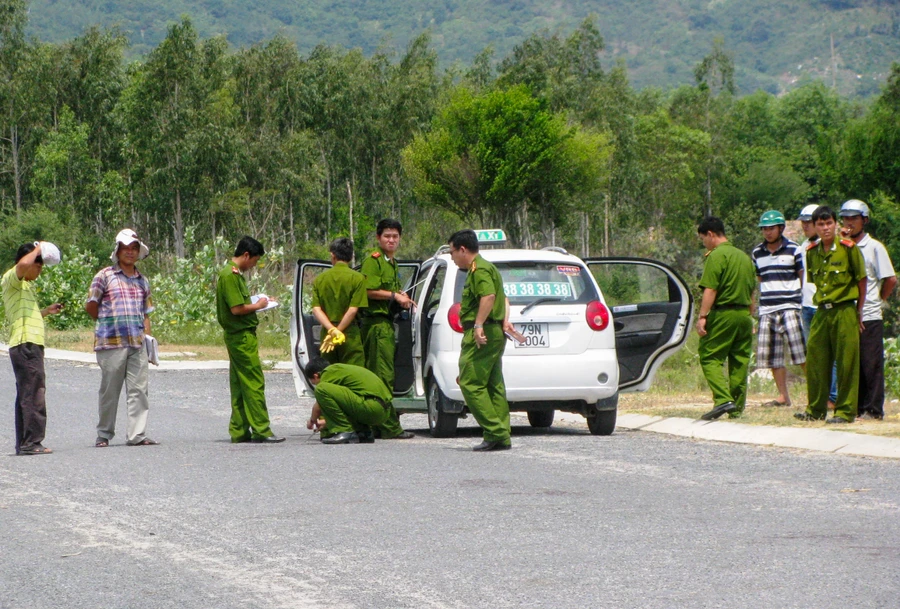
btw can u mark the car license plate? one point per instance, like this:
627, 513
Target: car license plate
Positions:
537, 336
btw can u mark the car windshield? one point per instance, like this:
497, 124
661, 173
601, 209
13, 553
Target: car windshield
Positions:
552, 282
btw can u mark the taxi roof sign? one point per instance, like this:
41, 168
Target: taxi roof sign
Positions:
491, 235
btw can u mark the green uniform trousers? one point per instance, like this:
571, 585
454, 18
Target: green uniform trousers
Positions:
729, 338
833, 339
249, 415
350, 352
379, 345
345, 411
481, 382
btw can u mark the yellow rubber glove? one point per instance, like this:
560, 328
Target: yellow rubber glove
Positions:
333, 338
337, 337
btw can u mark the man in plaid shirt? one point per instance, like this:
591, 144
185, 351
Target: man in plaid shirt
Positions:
119, 299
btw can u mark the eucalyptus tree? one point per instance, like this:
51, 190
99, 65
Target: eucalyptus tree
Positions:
503, 158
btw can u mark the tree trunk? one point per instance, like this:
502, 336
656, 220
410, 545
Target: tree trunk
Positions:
350, 198
179, 225
17, 171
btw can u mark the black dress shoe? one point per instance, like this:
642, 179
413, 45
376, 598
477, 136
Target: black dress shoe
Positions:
805, 416
837, 421
486, 446
718, 411
345, 437
267, 440
403, 435
366, 437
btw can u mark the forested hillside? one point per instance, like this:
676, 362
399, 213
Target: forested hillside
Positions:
200, 143
778, 44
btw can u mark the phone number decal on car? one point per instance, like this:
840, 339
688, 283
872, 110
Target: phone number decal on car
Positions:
537, 288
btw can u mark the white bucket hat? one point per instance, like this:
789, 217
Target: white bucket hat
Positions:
127, 236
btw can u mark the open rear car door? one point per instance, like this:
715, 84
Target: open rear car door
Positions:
651, 307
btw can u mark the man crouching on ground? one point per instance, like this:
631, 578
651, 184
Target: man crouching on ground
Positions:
350, 400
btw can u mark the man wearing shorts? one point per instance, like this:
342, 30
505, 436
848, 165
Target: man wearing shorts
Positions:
779, 270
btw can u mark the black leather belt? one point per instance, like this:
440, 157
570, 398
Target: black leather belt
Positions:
834, 305
469, 325
384, 404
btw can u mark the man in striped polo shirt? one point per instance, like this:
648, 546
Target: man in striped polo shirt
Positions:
26, 343
779, 270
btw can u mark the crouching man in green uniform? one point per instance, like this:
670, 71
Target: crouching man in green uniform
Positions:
350, 400
237, 316
483, 317
724, 323
377, 321
838, 269
337, 296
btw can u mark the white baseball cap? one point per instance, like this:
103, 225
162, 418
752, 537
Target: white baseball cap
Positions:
127, 236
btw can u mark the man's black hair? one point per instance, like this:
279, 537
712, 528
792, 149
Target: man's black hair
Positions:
387, 223
342, 248
823, 212
315, 366
24, 250
711, 223
464, 238
249, 245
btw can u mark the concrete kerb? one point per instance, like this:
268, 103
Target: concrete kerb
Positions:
839, 442
89, 358
824, 440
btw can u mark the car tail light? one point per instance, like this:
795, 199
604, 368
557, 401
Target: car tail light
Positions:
453, 317
597, 315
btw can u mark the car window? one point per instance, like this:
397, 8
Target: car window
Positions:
623, 284
525, 281
436, 287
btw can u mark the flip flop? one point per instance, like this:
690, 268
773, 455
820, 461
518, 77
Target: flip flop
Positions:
101, 443
145, 442
35, 450
775, 404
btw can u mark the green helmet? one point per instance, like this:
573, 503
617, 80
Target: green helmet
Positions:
771, 218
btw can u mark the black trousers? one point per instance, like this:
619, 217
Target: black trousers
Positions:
871, 369
31, 406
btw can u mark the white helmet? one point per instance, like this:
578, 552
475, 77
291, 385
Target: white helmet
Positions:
854, 207
807, 212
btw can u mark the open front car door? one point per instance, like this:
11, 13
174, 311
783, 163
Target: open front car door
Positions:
305, 329
651, 307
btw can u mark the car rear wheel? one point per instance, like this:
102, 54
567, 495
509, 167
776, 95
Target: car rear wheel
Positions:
541, 418
603, 422
441, 424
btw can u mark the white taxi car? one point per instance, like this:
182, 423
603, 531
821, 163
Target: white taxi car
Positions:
582, 346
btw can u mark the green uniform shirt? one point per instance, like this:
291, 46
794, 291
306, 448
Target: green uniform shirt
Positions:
232, 291
483, 279
338, 289
380, 274
26, 325
836, 273
357, 379
731, 273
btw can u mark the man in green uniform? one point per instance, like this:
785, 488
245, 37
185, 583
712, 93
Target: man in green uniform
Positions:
377, 321
350, 400
237, 316
838, 269
338, 294
483, 317
724, 324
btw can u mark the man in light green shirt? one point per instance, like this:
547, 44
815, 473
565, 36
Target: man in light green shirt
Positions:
26, 344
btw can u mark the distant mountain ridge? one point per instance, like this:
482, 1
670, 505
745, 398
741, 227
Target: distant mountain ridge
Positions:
777, 44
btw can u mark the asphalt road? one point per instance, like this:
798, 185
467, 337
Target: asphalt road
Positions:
562, 520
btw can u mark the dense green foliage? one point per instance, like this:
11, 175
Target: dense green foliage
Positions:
198, 145
786, 43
